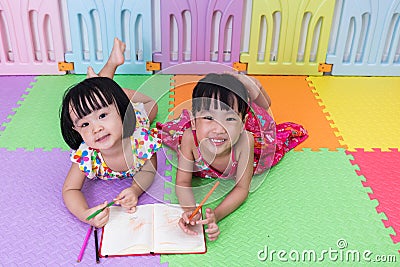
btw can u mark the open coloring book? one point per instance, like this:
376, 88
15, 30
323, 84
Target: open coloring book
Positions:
153, 228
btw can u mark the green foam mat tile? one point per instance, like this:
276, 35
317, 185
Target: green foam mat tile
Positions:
35, 123
311, 202
156, 86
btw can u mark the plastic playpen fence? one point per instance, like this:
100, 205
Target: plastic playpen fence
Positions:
31, 39
288, 37
195, 31
365, 38
95, 23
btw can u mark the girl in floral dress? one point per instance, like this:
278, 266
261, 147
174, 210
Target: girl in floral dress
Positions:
108, 130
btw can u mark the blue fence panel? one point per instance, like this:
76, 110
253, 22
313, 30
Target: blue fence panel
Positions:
365, 38
95, 23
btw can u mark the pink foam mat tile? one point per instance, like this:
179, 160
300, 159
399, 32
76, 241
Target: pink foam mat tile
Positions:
381, 170
11, 90
36, 229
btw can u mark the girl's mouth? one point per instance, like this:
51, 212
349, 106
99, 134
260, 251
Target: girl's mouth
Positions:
101, 139
217, 142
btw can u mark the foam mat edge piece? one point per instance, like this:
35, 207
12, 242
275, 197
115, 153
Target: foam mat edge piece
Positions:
23, 96
326, 113
172, 96
171, 197
369, 191
373, 198
169, 189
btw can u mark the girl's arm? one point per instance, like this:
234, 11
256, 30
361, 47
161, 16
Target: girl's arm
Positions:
255, 89
76, 201
184, 173
149, 103
183, 186
143, 179
240, 192
257, 92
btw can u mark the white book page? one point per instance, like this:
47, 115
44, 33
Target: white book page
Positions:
128, 233
169, 237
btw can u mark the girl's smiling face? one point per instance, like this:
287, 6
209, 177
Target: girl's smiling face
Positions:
101, 129
218, 129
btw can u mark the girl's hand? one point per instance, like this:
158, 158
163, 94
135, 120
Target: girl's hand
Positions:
102, 218
212, 226
252, 85
128, 199
185, 224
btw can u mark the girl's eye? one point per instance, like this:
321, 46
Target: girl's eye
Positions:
208, 118
85, 124
102, 115
231, 119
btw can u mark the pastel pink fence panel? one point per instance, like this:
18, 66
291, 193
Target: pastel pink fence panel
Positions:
194, 32
31, 39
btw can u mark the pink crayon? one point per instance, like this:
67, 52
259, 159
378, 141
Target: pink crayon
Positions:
84, 244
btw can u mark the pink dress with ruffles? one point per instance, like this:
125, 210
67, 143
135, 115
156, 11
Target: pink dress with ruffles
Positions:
271, 141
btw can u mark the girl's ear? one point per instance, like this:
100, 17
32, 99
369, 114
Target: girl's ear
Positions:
244, 122
245, 118
192, 121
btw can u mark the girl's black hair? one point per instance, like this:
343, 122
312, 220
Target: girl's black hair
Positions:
220, 87
90, 95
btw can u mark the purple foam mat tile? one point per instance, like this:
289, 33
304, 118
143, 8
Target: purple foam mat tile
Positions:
11, 90
36, 229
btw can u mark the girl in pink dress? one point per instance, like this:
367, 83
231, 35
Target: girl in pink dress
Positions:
229, 134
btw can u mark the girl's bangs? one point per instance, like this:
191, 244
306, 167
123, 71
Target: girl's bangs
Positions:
89, 101
224, 100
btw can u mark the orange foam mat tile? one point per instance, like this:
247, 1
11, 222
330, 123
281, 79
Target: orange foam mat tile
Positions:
293, 100
365, 110
182, 92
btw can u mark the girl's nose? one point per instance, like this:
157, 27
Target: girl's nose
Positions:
218, 127
97, 127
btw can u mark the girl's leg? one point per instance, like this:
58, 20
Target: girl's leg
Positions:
115, 59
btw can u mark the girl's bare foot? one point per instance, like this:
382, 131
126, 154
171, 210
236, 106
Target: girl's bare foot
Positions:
115, 59
117, 53
90, 73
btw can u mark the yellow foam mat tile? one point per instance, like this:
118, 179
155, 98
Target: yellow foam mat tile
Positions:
365, 110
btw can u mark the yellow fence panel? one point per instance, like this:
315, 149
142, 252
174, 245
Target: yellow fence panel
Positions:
288, 37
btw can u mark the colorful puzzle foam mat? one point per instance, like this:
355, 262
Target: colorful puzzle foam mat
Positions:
364, 111
318, 207
384, 182
36, 229
337, 191
42, 102
292, 100
12, 90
